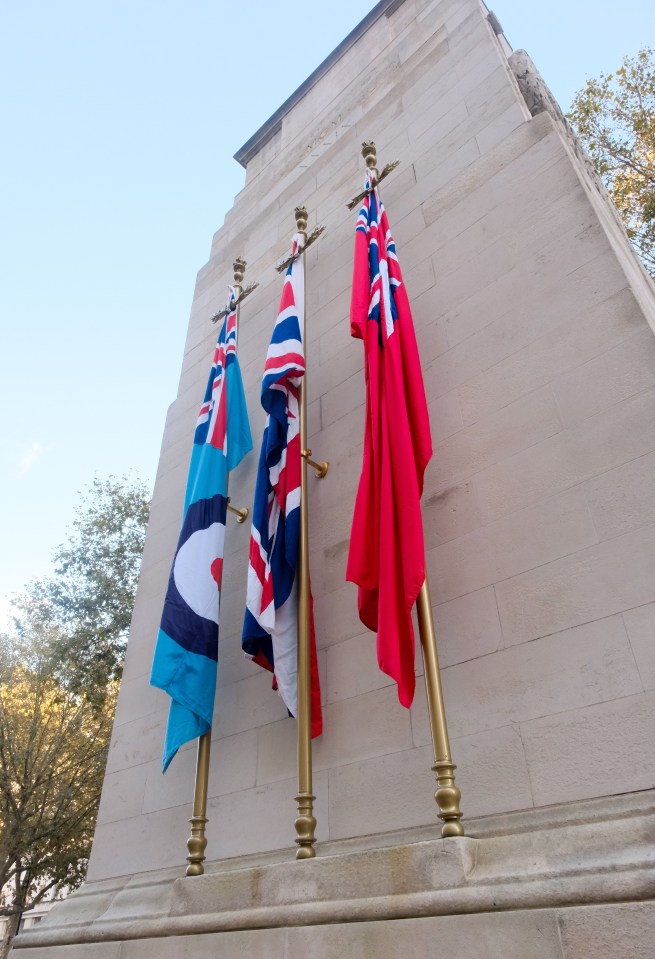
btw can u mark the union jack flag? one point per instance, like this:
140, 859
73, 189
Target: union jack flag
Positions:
384, 269
211, 426
270, 630
386, 558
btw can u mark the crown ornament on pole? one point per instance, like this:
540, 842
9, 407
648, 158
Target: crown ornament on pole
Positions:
302, 218
239, 269
370, 154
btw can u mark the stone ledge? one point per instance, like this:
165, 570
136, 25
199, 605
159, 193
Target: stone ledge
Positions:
589, 853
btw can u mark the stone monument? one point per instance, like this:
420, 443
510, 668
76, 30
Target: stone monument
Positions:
535, 325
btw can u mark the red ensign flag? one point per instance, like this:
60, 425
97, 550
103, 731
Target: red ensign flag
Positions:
387, 557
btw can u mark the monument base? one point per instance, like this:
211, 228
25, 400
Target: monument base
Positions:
564, 882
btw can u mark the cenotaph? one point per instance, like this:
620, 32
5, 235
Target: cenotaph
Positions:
535, 327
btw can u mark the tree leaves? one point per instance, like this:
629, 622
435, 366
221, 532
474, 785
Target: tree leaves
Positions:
83, 612
58, 685
614, 117
53, 748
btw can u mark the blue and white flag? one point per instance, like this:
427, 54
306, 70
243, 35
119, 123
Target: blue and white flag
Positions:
185, 662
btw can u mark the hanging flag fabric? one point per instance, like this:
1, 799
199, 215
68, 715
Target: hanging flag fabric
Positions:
386, 558
270, 630
185, 661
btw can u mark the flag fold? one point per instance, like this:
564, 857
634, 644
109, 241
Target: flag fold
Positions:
186, 654
386, 557
270, 630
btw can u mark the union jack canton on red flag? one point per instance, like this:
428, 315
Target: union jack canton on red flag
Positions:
386, 557
270, 629
186, 654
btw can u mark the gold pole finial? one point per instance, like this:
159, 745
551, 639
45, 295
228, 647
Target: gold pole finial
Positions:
239, 267
370, 154
301, 227
301, 219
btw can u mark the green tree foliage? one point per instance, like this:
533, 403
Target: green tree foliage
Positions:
614, 117
53, 747
88, 602
59, 668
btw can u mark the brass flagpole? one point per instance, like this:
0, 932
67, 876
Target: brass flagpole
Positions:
447, 794
197, 841
305, 822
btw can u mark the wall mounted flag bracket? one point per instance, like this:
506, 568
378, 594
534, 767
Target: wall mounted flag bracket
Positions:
369, 153
241, 514
319, 468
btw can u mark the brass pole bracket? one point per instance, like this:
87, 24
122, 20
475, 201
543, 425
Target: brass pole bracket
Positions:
319, 468
370, 155
241, 514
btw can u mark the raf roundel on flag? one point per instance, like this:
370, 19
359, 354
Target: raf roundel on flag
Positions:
191, 612
186, 654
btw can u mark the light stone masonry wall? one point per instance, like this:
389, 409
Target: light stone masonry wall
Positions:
608, 931
539, 502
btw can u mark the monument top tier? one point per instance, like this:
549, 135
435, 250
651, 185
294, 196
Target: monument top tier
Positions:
386, 8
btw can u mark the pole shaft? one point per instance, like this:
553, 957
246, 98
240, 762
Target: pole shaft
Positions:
305, 822
447, 795
197, 841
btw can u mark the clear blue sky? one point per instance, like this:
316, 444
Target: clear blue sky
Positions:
119, 122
